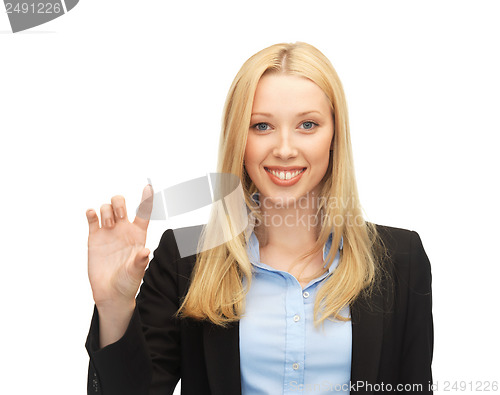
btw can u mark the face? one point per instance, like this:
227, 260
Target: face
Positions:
289, 138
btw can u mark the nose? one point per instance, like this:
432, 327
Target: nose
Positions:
285, 147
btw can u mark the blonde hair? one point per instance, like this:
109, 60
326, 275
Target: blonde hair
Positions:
216, 292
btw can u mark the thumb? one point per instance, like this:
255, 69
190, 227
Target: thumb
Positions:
142, 260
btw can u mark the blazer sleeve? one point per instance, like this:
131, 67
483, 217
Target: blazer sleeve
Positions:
419, 331
146, 360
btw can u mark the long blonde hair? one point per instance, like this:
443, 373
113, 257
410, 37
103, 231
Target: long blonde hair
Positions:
217, 292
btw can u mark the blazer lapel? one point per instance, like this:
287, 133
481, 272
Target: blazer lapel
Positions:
222, 356
367, 328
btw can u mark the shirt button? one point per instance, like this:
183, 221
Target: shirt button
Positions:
305, 294
295, 366
296, 317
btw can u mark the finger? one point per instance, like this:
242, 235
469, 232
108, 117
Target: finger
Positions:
119, 208
145, 208
107, 216
93, 220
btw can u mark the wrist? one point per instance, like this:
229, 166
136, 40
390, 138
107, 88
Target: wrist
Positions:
112, 308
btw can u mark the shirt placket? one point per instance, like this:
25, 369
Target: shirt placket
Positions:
295, 337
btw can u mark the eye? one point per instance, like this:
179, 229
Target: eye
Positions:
309, 125
258, 127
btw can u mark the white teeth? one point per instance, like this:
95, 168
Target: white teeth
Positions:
285, 175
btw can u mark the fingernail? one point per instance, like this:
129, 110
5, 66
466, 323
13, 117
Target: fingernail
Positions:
109, 223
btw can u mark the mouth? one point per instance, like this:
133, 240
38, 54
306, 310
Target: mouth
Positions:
285, 175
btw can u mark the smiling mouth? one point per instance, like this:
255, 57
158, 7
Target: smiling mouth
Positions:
285, 175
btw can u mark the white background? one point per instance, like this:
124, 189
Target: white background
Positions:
115, 92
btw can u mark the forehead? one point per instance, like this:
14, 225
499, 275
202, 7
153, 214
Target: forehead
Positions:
295, 93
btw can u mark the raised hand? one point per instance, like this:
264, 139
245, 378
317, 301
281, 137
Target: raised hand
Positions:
117, 257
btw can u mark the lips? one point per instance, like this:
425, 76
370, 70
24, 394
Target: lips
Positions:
285, 176
284, 168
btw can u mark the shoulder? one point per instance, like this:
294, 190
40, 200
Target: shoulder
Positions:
396, 239
171, 261
406, 257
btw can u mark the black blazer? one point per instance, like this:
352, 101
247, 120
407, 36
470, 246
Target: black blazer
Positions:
392, 335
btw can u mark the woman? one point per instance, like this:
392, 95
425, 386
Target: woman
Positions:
310, 298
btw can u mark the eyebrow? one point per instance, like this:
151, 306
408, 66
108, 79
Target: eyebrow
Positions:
299, 114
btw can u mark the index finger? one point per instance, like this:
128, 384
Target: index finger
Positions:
144, 211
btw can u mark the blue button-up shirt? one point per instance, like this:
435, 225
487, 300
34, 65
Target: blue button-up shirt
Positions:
280, 350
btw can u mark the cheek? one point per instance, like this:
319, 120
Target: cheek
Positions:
251, 151
319, 153
319, 157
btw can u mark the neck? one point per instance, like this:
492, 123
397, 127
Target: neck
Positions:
292, 226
